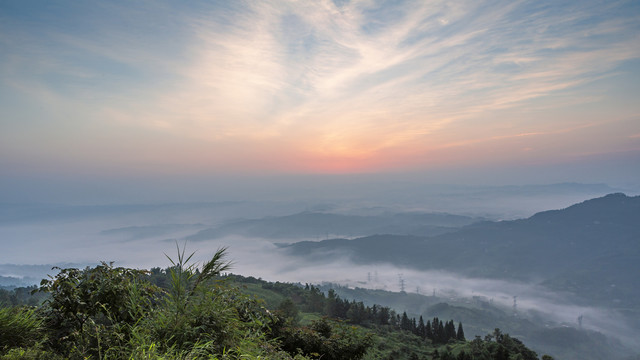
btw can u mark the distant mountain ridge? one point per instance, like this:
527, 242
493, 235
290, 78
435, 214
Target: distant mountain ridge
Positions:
319, 224
591, 248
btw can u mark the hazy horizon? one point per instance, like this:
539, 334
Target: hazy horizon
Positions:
127, 97
56, 233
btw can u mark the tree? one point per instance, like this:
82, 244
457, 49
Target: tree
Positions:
460, 333
288, 310
331, 304
450, 331
502, 353
440, 334
316, 300
497, 334
476, 346
421, 331
357, 313
384, 315
405, 323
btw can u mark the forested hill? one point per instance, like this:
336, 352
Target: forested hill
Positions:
590, 245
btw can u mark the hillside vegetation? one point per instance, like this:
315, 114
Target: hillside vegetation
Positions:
189, 312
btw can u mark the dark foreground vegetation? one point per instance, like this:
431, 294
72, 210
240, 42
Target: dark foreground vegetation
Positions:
189, 312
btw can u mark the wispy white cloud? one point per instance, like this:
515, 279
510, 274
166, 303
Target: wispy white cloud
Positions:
353, 80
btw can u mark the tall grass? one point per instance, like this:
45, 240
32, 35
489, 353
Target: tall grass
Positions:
19, 327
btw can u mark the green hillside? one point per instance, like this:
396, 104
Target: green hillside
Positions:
481, 316
189, 312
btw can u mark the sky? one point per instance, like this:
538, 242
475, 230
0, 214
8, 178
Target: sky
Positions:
465, 91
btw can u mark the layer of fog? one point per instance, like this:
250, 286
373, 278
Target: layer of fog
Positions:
34, 233
349, 193
261, 259
45, 234
139, 236
87, 243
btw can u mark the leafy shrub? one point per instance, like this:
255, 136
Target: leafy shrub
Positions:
330, 340
111, 312
94, 309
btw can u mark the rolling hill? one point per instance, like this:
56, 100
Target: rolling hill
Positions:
320, 225
590, 249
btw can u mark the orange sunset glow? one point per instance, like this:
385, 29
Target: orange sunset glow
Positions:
315, 88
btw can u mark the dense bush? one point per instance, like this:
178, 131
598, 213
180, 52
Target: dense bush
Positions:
109, 312
331, 340
94, 310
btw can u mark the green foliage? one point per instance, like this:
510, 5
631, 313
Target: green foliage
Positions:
288, 310
186, 279
21, 296
326, 340
200, 314
110, 312
29, 354
460, 333
193, 312
94, 309
19, 327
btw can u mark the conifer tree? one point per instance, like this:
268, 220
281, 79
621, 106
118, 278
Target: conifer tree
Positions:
405, 323
421, 328
450, 331
460, 333
383, 315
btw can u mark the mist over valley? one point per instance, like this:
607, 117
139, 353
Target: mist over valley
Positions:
527, 276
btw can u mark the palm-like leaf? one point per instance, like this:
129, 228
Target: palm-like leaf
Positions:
214, 267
